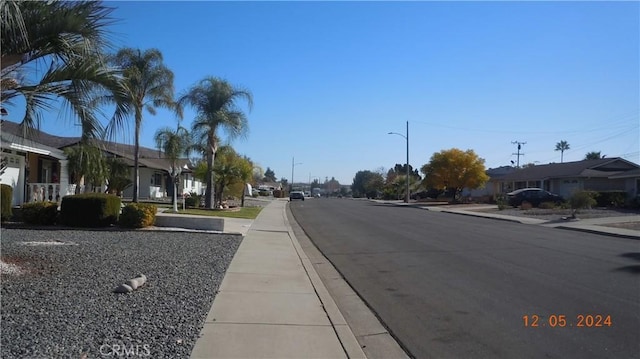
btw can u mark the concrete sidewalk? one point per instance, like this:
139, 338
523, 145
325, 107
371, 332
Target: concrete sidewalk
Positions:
271, 303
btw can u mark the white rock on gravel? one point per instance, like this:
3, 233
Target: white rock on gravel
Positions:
8, 268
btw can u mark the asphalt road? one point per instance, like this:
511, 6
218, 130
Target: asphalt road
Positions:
452, 286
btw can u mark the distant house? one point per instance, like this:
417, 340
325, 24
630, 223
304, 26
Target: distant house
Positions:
37, 167
606, 174
270, 186
493, 186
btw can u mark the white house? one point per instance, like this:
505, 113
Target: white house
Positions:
37, 167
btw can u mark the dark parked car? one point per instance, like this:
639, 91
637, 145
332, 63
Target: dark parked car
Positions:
296, 195
535, 196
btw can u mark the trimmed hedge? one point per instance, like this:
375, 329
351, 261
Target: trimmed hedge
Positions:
6, 196
40, 213
138, 215
90, 210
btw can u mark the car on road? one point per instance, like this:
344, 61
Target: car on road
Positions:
296, 195
535, 196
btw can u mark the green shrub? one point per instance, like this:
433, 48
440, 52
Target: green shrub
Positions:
6, 197
40, 213
90, 210
547, 205
611, 198
278, 193
138, 215
501, 201
255, 194
582, 200
192, 201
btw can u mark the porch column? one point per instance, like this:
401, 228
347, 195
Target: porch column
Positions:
63, 175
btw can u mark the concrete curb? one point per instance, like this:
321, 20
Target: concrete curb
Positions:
343, 331
190, 222
470, 214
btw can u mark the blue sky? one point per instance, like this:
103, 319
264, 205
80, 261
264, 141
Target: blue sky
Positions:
331, 79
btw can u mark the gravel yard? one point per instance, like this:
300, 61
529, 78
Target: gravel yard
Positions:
62, 304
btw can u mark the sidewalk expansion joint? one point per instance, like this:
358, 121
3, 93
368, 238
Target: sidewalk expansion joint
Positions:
270, 230
374, 334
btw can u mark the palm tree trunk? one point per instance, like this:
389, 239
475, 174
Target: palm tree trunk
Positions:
175, 193
136, 157
208, 194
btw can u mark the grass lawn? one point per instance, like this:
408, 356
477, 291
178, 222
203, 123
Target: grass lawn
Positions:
244, 212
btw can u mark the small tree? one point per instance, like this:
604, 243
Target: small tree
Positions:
230, 169
269, 175
562, 146
593, 155
396, 183
367, 184
453, 170
582, 200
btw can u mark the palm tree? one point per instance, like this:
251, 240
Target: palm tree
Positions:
173, 143
214, 100
66, 40
562, 146
148, 84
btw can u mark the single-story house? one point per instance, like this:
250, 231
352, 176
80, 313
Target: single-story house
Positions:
37, 167
606, 174
493, 186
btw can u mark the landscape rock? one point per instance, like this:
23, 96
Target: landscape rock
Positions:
123, 288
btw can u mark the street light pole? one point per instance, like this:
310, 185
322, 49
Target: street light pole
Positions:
406, 198
293, 165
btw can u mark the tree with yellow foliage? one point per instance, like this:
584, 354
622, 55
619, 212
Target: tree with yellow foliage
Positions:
454, 169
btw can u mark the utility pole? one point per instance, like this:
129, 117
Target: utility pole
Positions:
518, 154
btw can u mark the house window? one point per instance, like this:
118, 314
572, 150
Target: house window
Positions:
156, 179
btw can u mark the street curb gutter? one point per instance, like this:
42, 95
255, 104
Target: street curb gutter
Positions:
595, 231
345, 335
